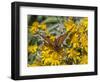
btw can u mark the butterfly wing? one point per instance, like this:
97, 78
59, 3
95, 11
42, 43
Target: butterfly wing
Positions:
60, 39
47, 40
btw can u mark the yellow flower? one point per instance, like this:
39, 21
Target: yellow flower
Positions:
84, 59
86, 49
83, 24
70, 25
43, 26
32, 48
76, 45
81, 29
74, 38
34, 27
84, 21
55, 62
50, 56
83, 40
35, 24
72, 53
50, 61
52, 38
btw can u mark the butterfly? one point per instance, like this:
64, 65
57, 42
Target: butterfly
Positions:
56, 44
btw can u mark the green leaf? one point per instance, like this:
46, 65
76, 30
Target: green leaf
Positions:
33, 41
51, 20
31, 58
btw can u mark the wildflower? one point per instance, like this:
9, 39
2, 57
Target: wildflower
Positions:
76, 45
74, 38
69, 25
50, 56
83, 40
34, 27
84, 21
84, 59
52, 38
86, 49
42, 26
73, 54
32, 48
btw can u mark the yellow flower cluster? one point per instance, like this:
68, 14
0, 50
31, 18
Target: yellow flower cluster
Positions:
42, 26
84, 59
32, 48
77, 53
35, 26
50, 56
70, 25
79, 41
